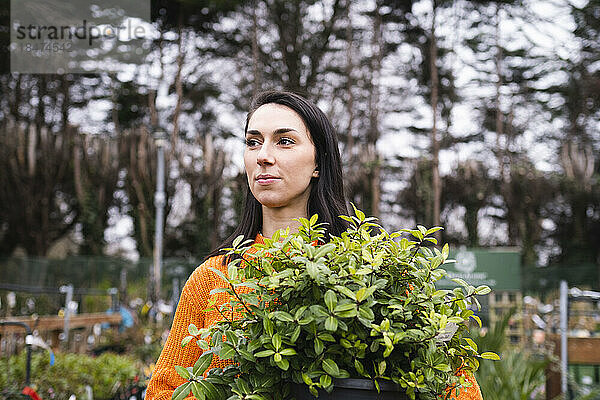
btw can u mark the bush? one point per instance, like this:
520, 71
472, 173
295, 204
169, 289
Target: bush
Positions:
518, 375
70, 374
361, 306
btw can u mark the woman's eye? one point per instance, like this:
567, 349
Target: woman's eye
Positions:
286, 141
252, 142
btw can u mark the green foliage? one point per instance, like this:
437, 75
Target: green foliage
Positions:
70, 374
519, 375
362, 306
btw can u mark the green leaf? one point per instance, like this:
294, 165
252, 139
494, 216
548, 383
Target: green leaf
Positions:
359, 367
483, 289
232, 337
312, 269
276, 235
203, 363
197, 391
243, 385
381, 368
247, 355
324, 249
471, 343
268, 325
211, 392
443, 367
443, 321
313, 219
282, 316
306, 379
488, 355
344, 374
283, 364
227, 351
347, 292
264, 353
433, 230
181, 392
359, 214
184, 373
477, 319
319, 347
360, 294
232, 271
288, 352
186, 340
255, 397
460, 281
295, 334
193, 330
325, 381
326, 337
219, 290
276, 340
330, 367
330, 299
363, 293
319, 311
331, 324
445, 251
237, 241
299, 312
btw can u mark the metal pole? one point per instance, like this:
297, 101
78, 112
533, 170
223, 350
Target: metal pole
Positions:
114, 299
68, 290
564, 315
28, 343
159, 202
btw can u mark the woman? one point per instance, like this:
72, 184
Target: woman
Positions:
294, 170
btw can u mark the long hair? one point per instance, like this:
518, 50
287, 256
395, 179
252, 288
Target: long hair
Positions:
327, 191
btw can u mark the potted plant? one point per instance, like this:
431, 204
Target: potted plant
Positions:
307, 316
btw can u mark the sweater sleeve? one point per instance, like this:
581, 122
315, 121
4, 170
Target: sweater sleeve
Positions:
471, 393
190, 310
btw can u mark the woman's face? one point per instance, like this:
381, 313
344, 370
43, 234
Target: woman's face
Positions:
279, 157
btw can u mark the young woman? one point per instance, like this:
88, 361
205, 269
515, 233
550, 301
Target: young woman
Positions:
294, 170
293, 166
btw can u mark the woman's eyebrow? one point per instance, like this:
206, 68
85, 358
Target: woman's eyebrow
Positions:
277, 131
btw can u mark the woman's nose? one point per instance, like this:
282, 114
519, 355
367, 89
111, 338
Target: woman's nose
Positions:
265, 155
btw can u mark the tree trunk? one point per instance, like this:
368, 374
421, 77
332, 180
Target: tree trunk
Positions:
435, 144
255, 52
374, 159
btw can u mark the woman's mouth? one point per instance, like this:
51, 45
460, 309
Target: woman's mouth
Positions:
266, 181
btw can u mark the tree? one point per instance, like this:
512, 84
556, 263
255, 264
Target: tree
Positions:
37, 201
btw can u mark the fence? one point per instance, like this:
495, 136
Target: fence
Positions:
36, 281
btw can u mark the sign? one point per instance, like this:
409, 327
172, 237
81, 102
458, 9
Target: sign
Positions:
500, 269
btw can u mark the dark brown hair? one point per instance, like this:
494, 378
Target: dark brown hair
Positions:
327, 191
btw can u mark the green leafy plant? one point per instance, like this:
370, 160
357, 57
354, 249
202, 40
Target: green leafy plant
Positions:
364, 305
70, 375
520, 373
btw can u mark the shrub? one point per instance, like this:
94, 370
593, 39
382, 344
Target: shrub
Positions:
69, 375
363, 306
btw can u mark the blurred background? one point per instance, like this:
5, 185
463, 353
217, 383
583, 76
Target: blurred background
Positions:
479, 116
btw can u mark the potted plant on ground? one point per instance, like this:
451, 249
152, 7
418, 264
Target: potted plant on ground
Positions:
308, 316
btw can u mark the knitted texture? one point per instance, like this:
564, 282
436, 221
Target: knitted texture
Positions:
192, 310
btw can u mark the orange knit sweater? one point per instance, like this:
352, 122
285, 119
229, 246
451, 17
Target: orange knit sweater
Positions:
191, 310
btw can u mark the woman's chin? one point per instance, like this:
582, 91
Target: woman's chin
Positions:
271, 203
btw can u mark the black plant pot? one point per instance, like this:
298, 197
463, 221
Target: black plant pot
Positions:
353, 389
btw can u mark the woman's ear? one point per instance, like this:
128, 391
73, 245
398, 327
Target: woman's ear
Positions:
315, 173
